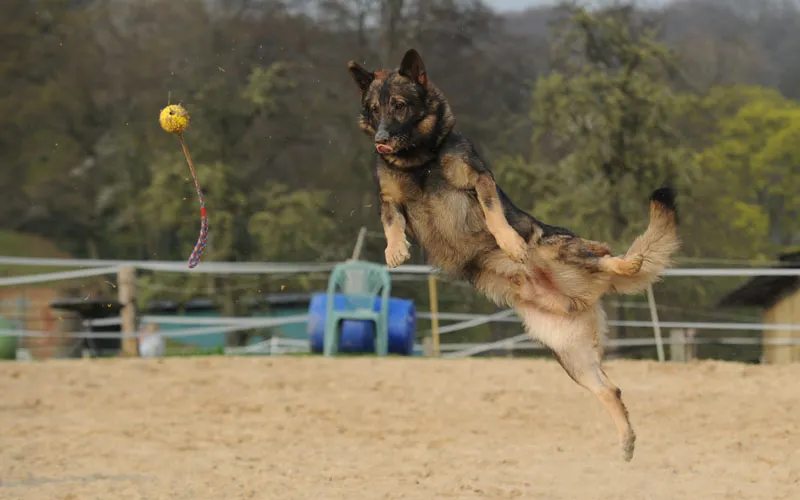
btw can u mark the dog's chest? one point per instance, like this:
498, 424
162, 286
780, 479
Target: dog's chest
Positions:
445, 221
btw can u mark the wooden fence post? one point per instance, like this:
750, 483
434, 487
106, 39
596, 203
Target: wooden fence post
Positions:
427, 346
691, 347
434, 307
126, 287
651, 300
677, 345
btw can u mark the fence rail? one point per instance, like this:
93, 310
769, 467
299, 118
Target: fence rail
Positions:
310, 267
521, 342
216, 325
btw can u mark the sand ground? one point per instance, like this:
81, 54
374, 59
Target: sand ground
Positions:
362, 428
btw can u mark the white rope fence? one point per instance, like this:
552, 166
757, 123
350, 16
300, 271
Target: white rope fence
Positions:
220, 327
216, 325
467, 321
65, 275
522, 342
302, 267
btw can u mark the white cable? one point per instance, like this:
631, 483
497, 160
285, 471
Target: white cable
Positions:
36, 261
292, 268
708, 325
467, 316
187, 320
234, 324
178, 266
513, 343
634, 324
505, 316
721, 272
486, 347
208, 330
476, 321
64, 275
219, 320
236, 267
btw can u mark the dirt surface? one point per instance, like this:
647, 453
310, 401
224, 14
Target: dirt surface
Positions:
361, 428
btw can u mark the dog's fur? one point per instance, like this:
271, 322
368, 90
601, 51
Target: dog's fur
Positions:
434, 186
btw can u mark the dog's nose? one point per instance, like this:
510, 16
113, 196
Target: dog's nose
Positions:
381, 136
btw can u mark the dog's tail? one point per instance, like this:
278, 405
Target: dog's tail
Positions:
656, 245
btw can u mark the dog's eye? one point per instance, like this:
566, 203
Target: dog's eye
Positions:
399, 106
374, 109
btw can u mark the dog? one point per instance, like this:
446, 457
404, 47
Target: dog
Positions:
435, 187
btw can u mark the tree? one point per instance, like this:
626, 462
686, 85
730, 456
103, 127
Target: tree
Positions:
248, 214
269, 221
603, 134
603, 120
753, 168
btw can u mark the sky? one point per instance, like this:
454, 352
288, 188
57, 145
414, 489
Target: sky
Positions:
503, 5
507, 5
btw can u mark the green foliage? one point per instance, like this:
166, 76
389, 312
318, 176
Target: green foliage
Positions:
618, 108
753, 166
610, 127
265, 83
13, 244
603, 135
291, 223
269, 221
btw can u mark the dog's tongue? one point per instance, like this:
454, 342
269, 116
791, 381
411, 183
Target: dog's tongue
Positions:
384, 149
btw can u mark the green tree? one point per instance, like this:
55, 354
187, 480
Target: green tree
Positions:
603, 122
250, 215
753, 168
268, 221
604, 133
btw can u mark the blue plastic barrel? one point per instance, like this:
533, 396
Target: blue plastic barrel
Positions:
357, 336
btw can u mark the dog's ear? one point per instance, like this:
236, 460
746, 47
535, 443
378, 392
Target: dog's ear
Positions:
362, 77
413, 67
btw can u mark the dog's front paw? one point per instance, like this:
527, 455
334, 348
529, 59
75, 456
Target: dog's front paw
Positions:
514, 246
397, 253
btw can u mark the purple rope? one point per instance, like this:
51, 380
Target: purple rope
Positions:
194, 258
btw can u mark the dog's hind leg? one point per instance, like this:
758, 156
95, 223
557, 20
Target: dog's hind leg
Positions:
574, 341
582, 364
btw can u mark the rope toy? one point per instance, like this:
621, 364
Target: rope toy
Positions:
175, 119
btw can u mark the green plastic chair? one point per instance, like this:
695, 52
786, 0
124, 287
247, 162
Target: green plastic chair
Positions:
359, 282
8, 343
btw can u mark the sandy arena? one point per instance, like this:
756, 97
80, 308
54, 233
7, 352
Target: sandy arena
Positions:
362, 428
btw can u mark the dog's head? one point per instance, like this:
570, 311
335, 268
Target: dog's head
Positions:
402, 110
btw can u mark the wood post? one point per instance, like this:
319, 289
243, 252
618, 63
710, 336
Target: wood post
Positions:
682, 348
691, 346
509, 348
434, 306
677, 345
427, 346
651, 301
362, 233
126, 287
274, 346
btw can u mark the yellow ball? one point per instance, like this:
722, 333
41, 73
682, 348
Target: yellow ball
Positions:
174, 119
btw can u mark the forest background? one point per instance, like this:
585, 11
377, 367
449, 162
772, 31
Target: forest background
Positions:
580, 113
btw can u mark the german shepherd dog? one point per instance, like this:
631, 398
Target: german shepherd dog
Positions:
434, 186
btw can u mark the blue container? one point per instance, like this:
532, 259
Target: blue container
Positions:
359, 336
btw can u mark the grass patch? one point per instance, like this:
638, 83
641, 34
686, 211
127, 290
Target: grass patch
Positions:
194, 351
174, 348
